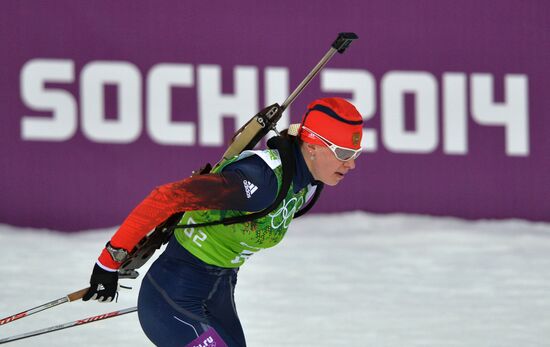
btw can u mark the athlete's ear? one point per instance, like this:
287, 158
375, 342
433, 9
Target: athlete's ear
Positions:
311, 148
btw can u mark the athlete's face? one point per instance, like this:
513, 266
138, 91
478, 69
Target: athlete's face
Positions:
324, 165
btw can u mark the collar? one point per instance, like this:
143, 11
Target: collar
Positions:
302, 176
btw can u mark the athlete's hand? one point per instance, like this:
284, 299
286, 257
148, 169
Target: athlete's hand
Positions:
103, 285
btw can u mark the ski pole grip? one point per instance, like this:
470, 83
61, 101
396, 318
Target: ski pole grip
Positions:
343, 41
78, 294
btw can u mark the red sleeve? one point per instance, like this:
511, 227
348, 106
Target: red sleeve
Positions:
202, 192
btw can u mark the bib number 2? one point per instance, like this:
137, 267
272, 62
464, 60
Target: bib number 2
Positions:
198, 236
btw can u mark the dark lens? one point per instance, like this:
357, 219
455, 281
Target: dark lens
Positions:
343, 153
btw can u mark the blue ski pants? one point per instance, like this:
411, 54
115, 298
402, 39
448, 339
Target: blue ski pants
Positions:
181, 298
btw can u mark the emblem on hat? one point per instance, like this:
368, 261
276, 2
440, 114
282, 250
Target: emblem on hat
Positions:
355, 138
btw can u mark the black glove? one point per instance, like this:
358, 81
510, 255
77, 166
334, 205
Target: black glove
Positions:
103, 285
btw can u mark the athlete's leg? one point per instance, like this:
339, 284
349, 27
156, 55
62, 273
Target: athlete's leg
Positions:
172, 305
161, 322
222, 309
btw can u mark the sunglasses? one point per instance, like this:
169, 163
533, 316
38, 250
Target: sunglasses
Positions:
341, 153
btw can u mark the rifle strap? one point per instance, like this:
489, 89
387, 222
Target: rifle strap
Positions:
318, 189
288, 162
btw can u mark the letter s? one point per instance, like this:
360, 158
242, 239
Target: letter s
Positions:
62, 125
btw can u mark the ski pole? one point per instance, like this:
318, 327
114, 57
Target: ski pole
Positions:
68, 325
122, 274
68, 298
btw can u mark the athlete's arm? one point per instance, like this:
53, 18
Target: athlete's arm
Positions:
223, 191
259, 183
201, 192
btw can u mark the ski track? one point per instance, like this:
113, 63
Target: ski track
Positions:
352, 279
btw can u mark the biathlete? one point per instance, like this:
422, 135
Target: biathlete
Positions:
187, 295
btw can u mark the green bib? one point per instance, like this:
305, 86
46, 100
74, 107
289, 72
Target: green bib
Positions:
229, 246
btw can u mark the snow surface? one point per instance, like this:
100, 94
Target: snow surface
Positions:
351, 279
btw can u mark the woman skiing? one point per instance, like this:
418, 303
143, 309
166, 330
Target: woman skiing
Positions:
187, 296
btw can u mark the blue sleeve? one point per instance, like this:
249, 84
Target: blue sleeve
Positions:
259, 183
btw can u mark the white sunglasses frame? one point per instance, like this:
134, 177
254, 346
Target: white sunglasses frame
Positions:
333, 147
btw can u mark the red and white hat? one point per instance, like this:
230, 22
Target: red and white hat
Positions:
335, 119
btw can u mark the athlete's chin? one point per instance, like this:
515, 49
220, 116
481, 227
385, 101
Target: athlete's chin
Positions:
333, 181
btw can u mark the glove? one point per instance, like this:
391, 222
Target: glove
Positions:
103, 285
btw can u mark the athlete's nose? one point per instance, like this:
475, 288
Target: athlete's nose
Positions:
350, 164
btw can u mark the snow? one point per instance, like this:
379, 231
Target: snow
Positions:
353, 279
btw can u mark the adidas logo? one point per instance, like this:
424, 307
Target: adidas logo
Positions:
249, 188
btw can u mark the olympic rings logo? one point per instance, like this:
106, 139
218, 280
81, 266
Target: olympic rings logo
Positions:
284, 215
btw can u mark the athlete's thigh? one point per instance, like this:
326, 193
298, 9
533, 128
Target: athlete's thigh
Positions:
222, 310
161, 322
